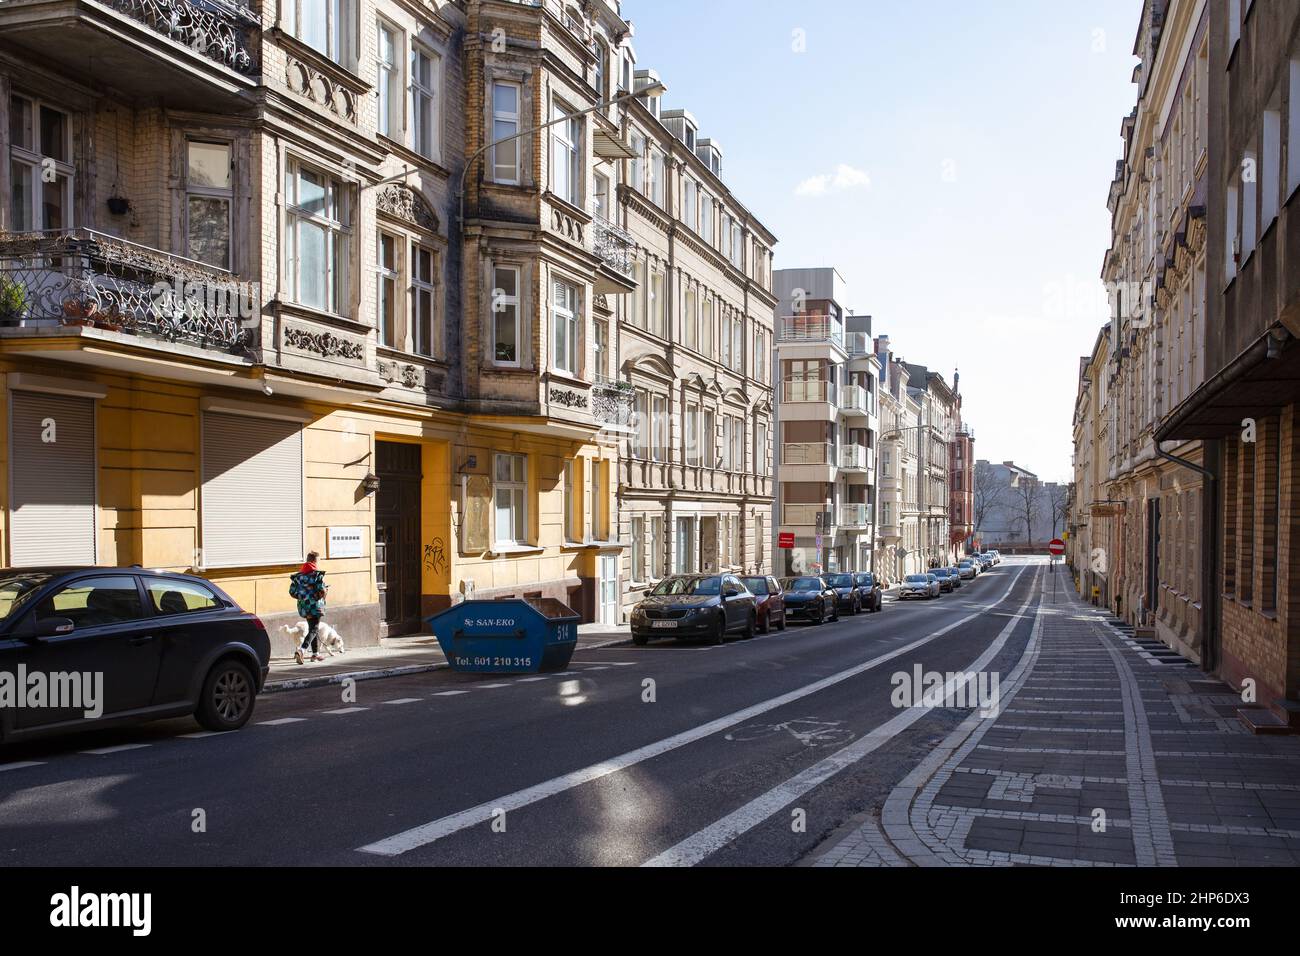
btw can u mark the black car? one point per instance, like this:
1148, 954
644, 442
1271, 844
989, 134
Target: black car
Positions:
946, 585
809, 597
847, 596
873, 596
695, 605
156, 644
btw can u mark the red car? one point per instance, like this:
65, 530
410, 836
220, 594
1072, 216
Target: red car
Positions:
771, 604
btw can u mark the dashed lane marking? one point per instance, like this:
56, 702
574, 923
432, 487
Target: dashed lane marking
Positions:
345, 710
104, 751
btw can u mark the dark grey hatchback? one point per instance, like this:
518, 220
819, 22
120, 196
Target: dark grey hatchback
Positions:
108, 646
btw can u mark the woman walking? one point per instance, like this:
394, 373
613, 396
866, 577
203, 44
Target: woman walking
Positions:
309, 587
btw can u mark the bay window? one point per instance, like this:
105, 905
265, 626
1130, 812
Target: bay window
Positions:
565, 326
505, 123
208, 202
322, 25
505, 316
566, 171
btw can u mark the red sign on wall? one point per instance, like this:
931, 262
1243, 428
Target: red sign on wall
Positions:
785, 539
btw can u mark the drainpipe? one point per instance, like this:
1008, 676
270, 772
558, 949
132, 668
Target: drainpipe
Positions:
1211, 567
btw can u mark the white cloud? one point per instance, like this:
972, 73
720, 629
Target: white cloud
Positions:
845, 177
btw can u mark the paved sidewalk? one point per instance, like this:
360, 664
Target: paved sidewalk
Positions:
1100, 755
396, 656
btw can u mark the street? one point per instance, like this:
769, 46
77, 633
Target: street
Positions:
764, 751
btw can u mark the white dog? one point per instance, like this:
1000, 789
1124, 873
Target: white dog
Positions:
329, 639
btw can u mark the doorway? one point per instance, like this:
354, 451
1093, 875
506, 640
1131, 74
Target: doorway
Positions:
397, 537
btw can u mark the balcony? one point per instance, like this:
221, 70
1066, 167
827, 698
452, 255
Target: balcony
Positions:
807, 453
195, 53
855, 516
811, 329
611, 405
804, 515
616, 250
853, 458
84, 279
855, 401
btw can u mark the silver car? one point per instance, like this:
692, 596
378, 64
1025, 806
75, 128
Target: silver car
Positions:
924, 586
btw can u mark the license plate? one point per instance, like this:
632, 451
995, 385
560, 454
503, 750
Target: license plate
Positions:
663, 623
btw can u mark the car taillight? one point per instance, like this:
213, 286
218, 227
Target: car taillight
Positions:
257, 623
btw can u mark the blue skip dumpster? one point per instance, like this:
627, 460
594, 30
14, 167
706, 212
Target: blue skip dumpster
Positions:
515, 636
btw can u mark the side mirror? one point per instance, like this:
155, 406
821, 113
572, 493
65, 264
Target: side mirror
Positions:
52, 627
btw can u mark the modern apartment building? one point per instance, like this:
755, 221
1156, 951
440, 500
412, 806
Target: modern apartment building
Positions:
826, 419
247, 308
693, 345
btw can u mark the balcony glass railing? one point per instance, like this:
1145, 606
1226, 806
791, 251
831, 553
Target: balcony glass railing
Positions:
853, 456
803, 515
854, 398
805, 390
807, 453
855, 515
810, 328
86, 278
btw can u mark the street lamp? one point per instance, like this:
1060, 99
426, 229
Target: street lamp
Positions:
654, 90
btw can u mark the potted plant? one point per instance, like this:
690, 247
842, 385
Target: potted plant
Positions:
13, 301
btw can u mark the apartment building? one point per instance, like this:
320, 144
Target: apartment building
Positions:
247, 309
1155, 270
961, 477
1245, 410
1092, 519
898, 552
935, 430
827, 424
694, 346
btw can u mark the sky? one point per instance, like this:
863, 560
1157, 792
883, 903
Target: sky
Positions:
951, 159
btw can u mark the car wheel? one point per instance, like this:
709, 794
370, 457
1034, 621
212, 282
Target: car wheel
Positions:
781, 625
857, 606
821, 614
720, 636
640, 640
748, 632
227, 699
767, 623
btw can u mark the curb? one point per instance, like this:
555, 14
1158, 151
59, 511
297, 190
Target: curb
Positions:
325, 680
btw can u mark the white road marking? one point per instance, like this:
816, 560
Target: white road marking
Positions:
490, 686
345, 710
207, 733
428, 833
602, 667
279, 721
714, 837
529, 680
21, 764
450, 693
104, 751
402, 700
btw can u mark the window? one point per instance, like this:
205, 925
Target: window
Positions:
738, 444
505, 316
636, 302
564, 323
737, 245
322, 25
1249, 204
657, 176
317, 236
684, 558
691, 440
37, 134
510, 490
638, 549
571, 519
640, 411
600, 205
690, 204
638, 163
657, 562
599, 526
208, 200
600, 350
1232, 245
657, 303
95, 602
726, 330
737, 349
706, 328
505, 123
761, 466
179, 597
566, 173
658, 428
707, 442
240, 529
388, 278
424, 102
1270, 166
423, 271
602, 71
389, 81
1293, 130
706, 218
725, 463
691, 320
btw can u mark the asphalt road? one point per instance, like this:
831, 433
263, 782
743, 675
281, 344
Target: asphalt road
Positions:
750, 753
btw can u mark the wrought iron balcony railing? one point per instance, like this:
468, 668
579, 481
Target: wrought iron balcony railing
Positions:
209, 27
613, 245
87, 278
612, 403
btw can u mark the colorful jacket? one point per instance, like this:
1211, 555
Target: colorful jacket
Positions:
309, 587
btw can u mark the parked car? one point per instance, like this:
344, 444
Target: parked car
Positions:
808, 596
166, 645
919, 586
695, 605
770, 600
944, 576
997, 556
987, 559
873, 594
847, 596
968, 570
954, 573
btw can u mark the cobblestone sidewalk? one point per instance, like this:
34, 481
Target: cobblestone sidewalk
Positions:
1101, 755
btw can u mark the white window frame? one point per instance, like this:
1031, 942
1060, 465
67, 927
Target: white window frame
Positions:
338, 233
639, 549
566, 317
517, 488
658, 428
338, 17
505, 117
498, 304
427, 288
690, 203
390, 279
32, 159
566, 150
226, 195
388, 80
428, 143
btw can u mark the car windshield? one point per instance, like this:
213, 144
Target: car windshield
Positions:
940, 572
917, 579
688, 586
840, 580
866, 581
966, 564
17, 589
802, 584
755, 585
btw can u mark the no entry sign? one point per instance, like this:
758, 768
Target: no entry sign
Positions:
785, 539
1056, 546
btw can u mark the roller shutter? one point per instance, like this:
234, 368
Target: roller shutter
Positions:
52, 480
